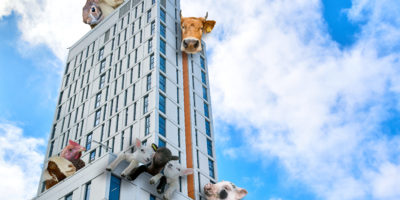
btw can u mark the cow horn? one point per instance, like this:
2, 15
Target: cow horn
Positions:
205, 18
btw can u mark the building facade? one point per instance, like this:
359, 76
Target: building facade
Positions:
128, 79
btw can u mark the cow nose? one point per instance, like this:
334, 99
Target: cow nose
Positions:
185, 44
196, 44
191, 43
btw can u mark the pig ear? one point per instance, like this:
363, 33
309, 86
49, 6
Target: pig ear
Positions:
154, 146
187, 171
174, 158
241, 192
138, 143
70, 142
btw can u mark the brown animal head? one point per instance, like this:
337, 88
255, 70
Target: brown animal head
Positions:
192, 31
91, 13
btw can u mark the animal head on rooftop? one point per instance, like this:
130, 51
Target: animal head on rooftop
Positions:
73, 151
192, 32
92, 13
143, 153
162, 156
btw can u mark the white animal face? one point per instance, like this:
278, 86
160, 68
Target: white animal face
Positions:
224, 191
173, 170
143, 154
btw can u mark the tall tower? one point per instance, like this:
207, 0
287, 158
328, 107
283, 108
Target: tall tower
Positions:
127, 79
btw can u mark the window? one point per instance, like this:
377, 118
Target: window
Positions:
102, 81
141, 36
97, 117
198, 159
162, 103
205, 96
116, 123
162, 30
208, 128
162, 15
161, 129
59, 112
211, 168
152, 28
60, 98
147, 125
122, 141
162, 83
151, 62
162, 46
92, 156
150, 45
98, 99
153, 2
51, 149
112, 43
88, 141
202, 63
111, 59
115, 187
148, 86
68, 197
133, 41
203, 77
162, 64
152, 197
148, 16
145, 104
209, 147
87, 191
206, 113
101, 53
161, 143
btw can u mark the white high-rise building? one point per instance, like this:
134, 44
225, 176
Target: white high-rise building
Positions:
128, 79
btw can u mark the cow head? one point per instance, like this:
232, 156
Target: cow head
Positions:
192, 31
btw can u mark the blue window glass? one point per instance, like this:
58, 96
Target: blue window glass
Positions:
147, 125
202, 63
162, 64
152, 61
161, 143
87, 191
203, 77
115, 187
162, 46
211, 168
161, 125
209, 147
162, 103
162, 30
205, 96
162, 82
206, 113
88, 141
162, 15
208, 128
92, 156
152, 197
68, 197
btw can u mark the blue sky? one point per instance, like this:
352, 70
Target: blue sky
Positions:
311, 113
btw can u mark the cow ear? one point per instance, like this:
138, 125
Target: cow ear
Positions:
209, 25
154, 146
138, 143
187, 171
241, 192
174, 158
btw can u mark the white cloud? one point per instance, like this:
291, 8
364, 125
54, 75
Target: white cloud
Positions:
315, 107
55, 24
20, 163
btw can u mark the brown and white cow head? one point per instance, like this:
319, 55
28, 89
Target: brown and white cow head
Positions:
192, 31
